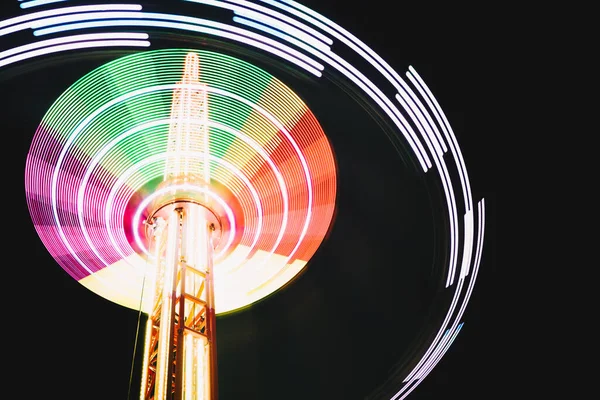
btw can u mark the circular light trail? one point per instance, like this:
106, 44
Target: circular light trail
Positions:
99, 154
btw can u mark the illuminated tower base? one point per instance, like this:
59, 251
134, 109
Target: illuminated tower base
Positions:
180, 347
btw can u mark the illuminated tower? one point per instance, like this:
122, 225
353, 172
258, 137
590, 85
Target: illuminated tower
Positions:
180, 346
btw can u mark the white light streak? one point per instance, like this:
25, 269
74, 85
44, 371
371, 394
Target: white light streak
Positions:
421, 88
373, 90
477, 260
421, 369
427, 115
439, 351
446, 184
449, 342
450, 137
283, 28
358, 78
386, 105
35, 3
282, 186
468, 244
58, 11
443, 326
302, 160
419, 120
282, 17
200, 26
74, 46
377, 95
69, 39
408, 389
480, 235
342, 35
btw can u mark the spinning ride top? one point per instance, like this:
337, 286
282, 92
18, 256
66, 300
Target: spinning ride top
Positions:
184, 209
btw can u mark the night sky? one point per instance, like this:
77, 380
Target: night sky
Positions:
337, 331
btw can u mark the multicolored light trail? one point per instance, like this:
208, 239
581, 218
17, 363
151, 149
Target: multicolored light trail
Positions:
99, 154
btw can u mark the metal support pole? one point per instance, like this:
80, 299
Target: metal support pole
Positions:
182, 362
211, 315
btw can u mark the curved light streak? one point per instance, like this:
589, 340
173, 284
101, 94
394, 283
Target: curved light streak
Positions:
373, 91
74, 46
437, 135
282, 186
17, 25
290, 33
426, 94
360, 48
408, 389
277, 49
281, 35
69, 39
347, 70
437, 110
425, 361
62, 23
364, 83
253, 15
35, 3
446, 185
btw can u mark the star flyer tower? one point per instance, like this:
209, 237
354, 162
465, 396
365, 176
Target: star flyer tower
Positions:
151, 201
180, 348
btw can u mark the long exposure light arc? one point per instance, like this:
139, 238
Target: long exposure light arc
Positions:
78, 134
451, 138
426, 359
17, 23
74, 38
447, 187
427, 117
66, 22
279, 50
73, 46
292, 28
36, 3
331, 58
436, 351
382, 67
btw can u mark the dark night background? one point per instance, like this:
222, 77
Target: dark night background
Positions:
351, 313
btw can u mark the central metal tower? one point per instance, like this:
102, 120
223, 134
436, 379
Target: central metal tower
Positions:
180, 359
